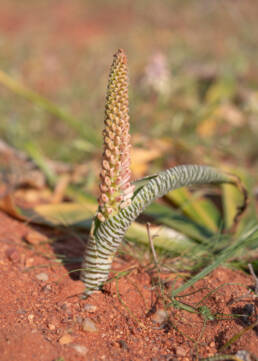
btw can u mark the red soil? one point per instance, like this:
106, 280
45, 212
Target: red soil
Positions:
43, 319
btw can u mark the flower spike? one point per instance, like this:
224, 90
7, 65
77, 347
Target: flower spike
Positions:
115, 176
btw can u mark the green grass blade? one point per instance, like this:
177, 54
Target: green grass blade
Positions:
33, 151
227, 253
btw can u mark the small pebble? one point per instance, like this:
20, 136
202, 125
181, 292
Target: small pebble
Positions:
12, 255
46, 288
159, 316
66, 307
123, 345
89, 325
29, 262
90, 308
80, 349
181, 351
21, 311
65, 339
243, 355
51, 326
30, 318
79, 319
35, 238
42, 277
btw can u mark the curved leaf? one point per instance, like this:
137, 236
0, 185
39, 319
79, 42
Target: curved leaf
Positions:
106, 236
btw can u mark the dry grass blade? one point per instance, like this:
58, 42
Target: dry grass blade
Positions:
241, 208
254, 277
152, 245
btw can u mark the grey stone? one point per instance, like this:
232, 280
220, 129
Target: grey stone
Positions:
80, 349
89, 325
90, 308
160, 316
243, 355
42, 277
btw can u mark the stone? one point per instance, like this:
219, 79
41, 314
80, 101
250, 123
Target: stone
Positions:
46, 288
51, 326
160, 316
66, 339
90, 308
80, 349
79, 319
181, 351
12, 255
123, 345
35, 238
30, 318
89, 325
42, 277
243, 355
21, 311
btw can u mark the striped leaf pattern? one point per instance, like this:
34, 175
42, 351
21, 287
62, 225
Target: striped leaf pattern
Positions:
106, 236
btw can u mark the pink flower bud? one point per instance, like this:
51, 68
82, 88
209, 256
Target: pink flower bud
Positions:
101, 217
107, 181
104, 198
105, 164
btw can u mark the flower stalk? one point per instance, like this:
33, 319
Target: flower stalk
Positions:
116, 189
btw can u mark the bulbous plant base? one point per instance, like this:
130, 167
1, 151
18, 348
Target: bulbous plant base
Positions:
95, 267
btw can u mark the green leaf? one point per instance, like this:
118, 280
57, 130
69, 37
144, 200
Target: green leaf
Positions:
168, 216
163, 237
223, 89
199, 210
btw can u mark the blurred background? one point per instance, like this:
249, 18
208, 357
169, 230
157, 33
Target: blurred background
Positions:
193, 81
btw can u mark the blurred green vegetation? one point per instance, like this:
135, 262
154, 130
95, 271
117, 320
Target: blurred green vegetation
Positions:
63, 51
